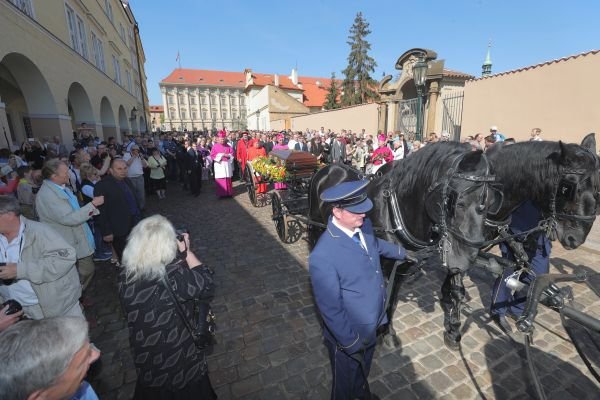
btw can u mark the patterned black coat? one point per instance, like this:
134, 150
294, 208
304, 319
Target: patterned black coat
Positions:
164, 353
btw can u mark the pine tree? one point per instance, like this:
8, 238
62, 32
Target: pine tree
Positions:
358, 86
332, 95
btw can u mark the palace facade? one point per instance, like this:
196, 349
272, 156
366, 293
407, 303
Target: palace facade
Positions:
64, 63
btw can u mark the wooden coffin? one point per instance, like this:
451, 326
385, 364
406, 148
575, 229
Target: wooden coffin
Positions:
299, 164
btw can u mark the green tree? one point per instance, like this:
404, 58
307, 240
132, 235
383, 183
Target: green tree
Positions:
358, 86
332, 95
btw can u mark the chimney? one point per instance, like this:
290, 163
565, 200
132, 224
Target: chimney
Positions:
248, 77
294, 76
276, 79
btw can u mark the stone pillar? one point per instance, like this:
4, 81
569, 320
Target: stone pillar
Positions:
51, 125
4, 128
383, 117
393, 116
434, 91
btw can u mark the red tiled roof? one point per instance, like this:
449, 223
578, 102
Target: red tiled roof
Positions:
285, 82
206, 77
457, 74
157, 109
562, 59
314, 94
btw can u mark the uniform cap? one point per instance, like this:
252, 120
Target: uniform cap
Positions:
351, 196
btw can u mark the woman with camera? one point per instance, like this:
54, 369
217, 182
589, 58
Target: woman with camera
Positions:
165, 291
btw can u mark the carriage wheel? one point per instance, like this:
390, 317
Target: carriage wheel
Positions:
278, 217
250, 186
294, 230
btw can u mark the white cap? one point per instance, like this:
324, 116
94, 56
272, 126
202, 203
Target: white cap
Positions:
493, 128
445, 134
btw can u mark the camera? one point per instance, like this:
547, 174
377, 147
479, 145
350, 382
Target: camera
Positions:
179, 232
13, 307
5, 281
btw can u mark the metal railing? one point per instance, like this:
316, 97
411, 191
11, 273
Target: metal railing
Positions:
452, 117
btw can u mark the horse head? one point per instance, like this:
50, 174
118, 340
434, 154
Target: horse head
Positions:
458, 205
574, 202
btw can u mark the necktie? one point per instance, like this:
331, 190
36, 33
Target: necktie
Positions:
356, 238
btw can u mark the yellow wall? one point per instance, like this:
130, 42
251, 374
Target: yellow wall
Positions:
60, 66
364, 116
560, 98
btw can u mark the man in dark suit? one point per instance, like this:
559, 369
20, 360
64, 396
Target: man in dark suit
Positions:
349, 287
271, 143
193, 168
120, 211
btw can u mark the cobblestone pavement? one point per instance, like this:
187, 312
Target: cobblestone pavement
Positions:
269, 338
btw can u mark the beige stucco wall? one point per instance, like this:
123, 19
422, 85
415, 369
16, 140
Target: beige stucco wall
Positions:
364, 116
560, 98
60, 66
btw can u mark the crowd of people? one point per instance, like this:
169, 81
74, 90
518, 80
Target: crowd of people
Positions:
63, 208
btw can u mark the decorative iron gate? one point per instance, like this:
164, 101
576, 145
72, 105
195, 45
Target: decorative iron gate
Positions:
407, 118
452, 118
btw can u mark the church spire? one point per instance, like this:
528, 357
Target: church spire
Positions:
486, 68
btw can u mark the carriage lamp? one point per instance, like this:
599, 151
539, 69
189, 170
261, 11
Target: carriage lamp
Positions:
419, 71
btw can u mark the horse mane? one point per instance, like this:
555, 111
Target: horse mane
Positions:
427, 164
531, 168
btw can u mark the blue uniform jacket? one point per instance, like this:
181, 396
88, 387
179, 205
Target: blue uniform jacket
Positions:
348, 285
525, 217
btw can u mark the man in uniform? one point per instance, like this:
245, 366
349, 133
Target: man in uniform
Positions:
349, 287
537, 246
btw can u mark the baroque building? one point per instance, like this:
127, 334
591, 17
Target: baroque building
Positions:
64, 63
206, 100
203, 100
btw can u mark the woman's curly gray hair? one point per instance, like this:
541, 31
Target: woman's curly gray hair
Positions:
152, 244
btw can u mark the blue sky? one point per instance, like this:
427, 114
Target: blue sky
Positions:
275, 36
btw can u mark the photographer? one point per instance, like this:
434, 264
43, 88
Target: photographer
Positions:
101, 161
39, 270
160, 338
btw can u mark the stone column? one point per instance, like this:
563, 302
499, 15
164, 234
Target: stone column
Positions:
434, 91
50, 125
4, 127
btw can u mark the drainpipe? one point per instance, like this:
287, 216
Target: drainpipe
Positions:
136, 35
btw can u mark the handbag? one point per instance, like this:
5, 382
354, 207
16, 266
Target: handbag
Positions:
203, 333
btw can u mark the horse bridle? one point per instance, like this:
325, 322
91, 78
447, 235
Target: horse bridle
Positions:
568, 190
399, 226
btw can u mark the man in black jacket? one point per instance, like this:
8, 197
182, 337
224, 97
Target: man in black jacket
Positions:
120, 211
193, 168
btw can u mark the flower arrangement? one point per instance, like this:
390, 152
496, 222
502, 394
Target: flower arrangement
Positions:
270, 169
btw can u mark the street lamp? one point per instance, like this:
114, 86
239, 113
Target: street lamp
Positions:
419, 76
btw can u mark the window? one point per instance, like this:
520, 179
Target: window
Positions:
214, 114
214, 99
128, 79
194, 114
171, 113
138, 92
108, 9
72, 24
171, 100
223, 100
24, 6
82, 37
204, 114
202, 100
122, 32
183, 114
243, 114
234, 101
117, 68
181, 99
224, 114
234, 116
242, 101
98, 51
192, 100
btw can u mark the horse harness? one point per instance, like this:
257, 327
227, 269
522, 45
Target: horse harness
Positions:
449, 197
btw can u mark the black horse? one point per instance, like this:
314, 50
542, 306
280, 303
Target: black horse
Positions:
438, 196
560, 179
